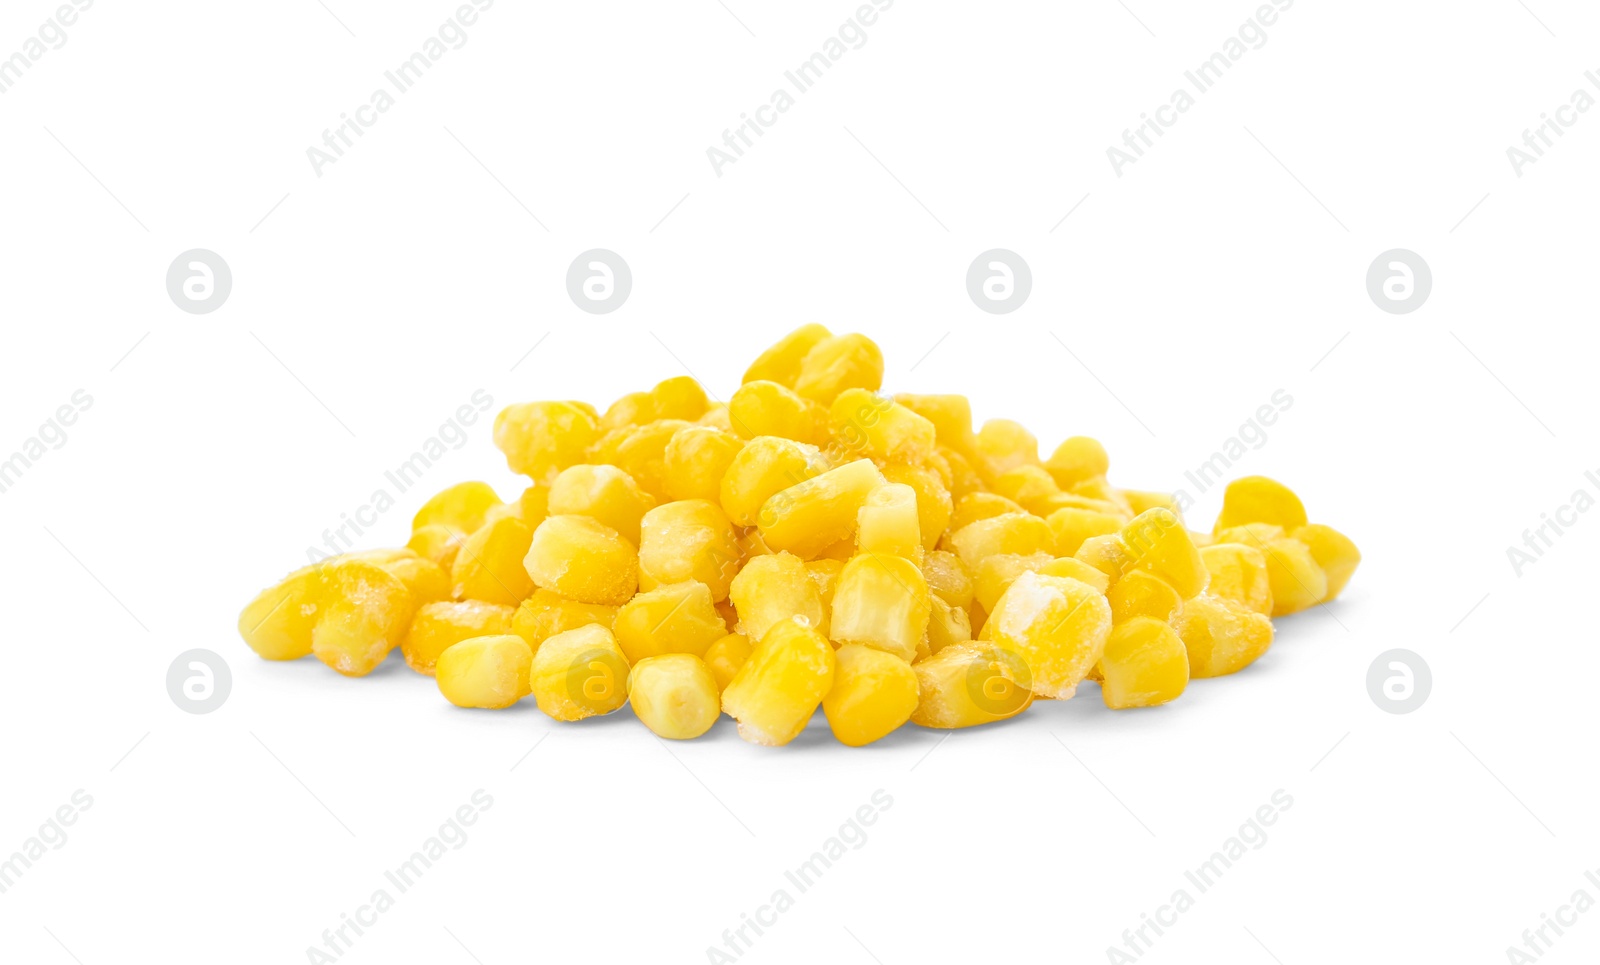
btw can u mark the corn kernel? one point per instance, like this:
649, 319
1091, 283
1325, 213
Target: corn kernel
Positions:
824, 575
951, 416
580, 673
460, 507
716, 417
778, 689
439, 626
633, 409
691, 539
491, 672
868, 424
1078, 570
995, 573
601, 492
765, 466
640, 452
1002, 444
1239, 572
838, 363
873, 693
1028, 486
726, 656
1018, 533
438, 543
675, 695
680, 397
1144, 665
948, 578
1057, 624
674, 618
583, 559
425, 579
489, 566
964, 478
277, 624
1257, 499
696, 460
1071, 526
947, 625
781, 362
881, 601
1159, 544
1334, 553
1297, 581
364, 614
774, 588
934, 505
980, 505
542, 438
545, 614
769, 409
807, 518
1140, 500
1107, 553
1141, 594
1221, 635
1077, 459
966, 684
888, 523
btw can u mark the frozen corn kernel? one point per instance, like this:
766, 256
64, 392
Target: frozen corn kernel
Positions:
948, 578
365, 613
1078, 570
542, 438
872, 425
995, 573
726, 656
583, 559
1141, 594
1002, 444
696, 460
888, 523
1071, 526
1018, 533
824, 575
765, 466
1159, 544
951, 416
633, 409
675, 618
489, 566
966, 684
675, 695
946, 625
807, 518
640, 452
780, 686
680, 397
491, 672
980, 505
1028, 486
769, 409
933, 501
716, 417
964, 478
1296, 579
1077, 459
773, 588
601, 492
1107, 553
426, 580
781, 362
580, 673
439, 626
873, 693
1257, 499
691, 539
1144, 665
1221, 636
277, 623
1057, 624
546, 614
1238, 572
438, 543
460, 507
881, 601
1334, 553
838, 363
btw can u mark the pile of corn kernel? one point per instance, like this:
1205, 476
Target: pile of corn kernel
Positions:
809, 543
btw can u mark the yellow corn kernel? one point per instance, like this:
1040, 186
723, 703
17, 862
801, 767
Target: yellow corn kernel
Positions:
980, 505
601, 492
1140, 500
1160, 545
1002, 444
838, 363
680, 397
881, 601
995, 573
277, 624
726, 656
545, 614
489, 566
580, 673
824, 574
1257, 499
461, 507
781, 362
1077, 459
948, 578
773, 588
1297, 581
1334, 553
640, 452
934, 505
946, 625
780, 686
1221, 636
1142, 594
438, 626
1057, 624
583, 559
716, 417
888, 523
691, 539
807, 518
533, 505
1107, 553
964, 479
696, 460
1238, 572
873, 693
1028, 486
426, 580
1071, 526
765, 466
491, 672
1251, 534
1145, 664
1078, 570
365, 613
542, 438
951, 416
769, 409
675, 695
868, 424
438, 543
1019, 533
966, 684
633, 409
675, 618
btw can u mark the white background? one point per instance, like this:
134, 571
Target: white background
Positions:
374, 300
